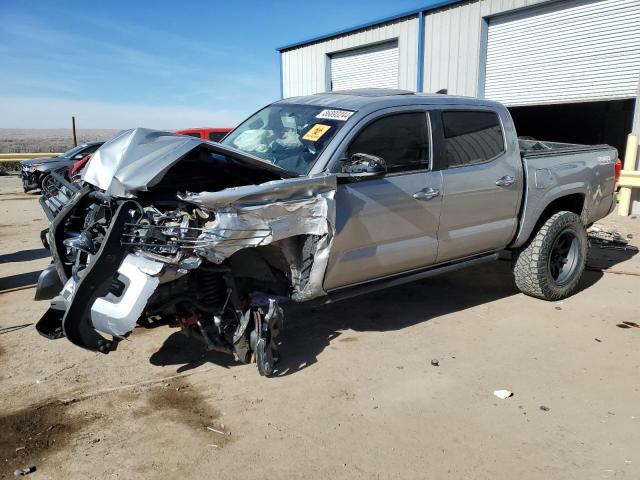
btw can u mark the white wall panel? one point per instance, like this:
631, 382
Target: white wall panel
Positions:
304, 68
452, 38
569, 52
370, 67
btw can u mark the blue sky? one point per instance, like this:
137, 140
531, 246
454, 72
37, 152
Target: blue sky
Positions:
118, 64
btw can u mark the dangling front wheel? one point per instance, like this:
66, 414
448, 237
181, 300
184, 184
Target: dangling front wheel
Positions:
551, 264
264, 358
267, 327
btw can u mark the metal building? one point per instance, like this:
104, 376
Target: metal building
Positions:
569, 70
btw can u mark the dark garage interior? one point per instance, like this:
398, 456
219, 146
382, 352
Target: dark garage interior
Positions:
587, 123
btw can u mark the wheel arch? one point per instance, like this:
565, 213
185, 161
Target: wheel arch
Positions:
570, 198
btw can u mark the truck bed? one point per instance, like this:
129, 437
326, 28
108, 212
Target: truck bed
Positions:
554, 170
538, 148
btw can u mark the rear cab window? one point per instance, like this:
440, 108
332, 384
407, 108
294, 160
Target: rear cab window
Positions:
471, 137
216, 136
400, 139
92, 149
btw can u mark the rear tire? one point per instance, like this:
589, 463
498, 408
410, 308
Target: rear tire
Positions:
551, 264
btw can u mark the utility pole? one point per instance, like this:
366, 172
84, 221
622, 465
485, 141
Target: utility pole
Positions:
73, 126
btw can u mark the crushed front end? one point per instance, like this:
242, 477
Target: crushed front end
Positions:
217, 264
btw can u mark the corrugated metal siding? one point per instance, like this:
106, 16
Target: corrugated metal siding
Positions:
304, 68
375, 67
570, 52
452, 38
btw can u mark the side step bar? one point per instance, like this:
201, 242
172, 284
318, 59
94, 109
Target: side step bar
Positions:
343, 293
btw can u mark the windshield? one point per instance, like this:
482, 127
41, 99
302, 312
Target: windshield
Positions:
289, 136
73, 151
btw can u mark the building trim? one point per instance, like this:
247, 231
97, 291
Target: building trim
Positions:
431, 6
281, 77
482, 65
420, 79
327, 73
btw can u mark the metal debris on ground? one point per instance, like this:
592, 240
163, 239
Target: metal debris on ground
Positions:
435, 362
21, 472
503, 394
611, 239
544, 408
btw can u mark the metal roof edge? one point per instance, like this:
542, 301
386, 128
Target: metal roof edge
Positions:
426, 8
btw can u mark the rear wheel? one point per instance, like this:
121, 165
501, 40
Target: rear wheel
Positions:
551, 264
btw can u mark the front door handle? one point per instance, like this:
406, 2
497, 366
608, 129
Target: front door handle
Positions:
505, 181
426, 194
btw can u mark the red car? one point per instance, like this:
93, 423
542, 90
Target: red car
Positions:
213, 134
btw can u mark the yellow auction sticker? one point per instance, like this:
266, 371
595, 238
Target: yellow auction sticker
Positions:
316, 132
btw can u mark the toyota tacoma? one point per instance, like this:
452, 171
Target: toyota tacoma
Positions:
315, 198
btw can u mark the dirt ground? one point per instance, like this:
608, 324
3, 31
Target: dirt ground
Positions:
356, 395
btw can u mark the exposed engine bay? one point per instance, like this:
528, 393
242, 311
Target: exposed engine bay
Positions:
133, 244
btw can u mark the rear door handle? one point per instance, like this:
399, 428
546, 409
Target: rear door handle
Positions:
505, 181
426, 194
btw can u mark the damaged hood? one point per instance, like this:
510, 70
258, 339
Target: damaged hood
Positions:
137, 159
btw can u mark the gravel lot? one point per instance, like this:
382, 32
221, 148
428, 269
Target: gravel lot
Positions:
357, 395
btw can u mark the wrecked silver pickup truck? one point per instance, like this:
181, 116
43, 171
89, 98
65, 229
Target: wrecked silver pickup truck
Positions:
320, 197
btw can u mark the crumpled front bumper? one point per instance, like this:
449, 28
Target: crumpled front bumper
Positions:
107, 297
115, 313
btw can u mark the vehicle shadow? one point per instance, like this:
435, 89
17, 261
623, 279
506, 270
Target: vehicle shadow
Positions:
310, 328
18, 281
25, 255
607, 255
189, 353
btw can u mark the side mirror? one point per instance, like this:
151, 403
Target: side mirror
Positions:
363, 165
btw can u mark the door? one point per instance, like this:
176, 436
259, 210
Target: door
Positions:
375, 66
482, 184
387, 225
564, 52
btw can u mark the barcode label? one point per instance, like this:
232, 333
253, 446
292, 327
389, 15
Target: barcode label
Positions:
341, 115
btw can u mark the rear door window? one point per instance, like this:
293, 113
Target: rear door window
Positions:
471, 137
402, 140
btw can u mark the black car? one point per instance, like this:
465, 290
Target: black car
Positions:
35, 170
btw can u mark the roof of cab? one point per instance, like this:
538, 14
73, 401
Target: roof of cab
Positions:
371, 99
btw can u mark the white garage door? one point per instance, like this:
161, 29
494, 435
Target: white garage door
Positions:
375, 66
567, 52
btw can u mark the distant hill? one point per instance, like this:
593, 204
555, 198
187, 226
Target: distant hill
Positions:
35, 140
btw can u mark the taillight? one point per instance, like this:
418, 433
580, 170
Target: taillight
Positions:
617, 169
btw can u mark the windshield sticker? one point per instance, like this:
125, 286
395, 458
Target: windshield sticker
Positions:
316, 132
341, 115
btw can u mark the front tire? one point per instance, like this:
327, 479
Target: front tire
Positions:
551, 264
43, 179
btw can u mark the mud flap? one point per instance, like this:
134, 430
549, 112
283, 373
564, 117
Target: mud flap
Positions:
50, 325
97, 282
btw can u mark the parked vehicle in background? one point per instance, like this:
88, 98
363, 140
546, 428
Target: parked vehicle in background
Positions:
319, 198
76, 171
211, 134
35, 171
